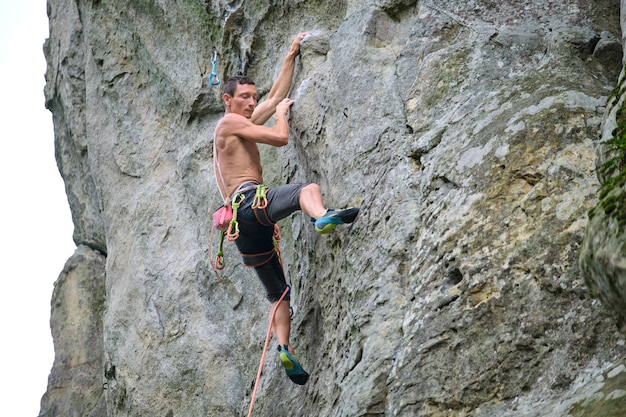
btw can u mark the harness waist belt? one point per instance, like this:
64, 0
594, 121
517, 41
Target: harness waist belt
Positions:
244, 187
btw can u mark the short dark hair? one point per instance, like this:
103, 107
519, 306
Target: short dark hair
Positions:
231, 84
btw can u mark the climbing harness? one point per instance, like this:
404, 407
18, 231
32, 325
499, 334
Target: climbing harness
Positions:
227, 214
260, 259
213, 79
267, 342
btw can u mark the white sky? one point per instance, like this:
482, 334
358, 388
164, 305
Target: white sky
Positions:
36, 232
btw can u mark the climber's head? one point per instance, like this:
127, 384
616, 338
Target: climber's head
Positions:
240, 95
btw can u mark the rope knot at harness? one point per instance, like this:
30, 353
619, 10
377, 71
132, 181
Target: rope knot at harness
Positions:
232, 232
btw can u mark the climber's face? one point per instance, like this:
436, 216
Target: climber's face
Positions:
244, 100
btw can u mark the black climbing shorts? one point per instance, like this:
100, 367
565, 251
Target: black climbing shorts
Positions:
256, 230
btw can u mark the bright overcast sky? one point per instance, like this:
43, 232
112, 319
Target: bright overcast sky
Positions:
36, 233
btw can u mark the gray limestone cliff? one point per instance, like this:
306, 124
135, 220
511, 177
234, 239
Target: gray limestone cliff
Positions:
484, 276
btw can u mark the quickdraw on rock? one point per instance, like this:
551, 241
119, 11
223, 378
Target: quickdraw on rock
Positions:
213, 79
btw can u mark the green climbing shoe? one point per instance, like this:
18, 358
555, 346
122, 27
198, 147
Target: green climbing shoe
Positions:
332, 218
292, 367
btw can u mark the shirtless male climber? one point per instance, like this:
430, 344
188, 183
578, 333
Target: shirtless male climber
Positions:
239, 177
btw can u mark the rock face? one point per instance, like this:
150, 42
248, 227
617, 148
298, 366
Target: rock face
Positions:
75, 383
466, 131
603, 255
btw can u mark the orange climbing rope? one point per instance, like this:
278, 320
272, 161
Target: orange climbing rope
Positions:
267, 342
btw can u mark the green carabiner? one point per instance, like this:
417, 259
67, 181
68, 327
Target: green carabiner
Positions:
233, 227
260, 199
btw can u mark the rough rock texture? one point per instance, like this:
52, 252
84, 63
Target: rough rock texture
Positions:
603, 255
466, 131
75, 384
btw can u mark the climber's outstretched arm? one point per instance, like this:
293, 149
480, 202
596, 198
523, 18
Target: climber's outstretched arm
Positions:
281, 86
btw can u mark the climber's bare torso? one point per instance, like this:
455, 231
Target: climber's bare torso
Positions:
237, 135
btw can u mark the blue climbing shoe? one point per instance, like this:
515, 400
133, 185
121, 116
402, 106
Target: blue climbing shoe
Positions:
332, 218
292, 367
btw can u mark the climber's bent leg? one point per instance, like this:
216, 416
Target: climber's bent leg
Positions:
284, 200
311, 202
